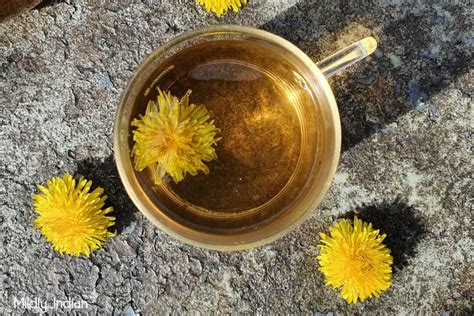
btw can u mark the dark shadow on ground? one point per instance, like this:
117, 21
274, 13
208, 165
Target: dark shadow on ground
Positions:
403, 225
47, 3
104, 173
421, 51
467, 311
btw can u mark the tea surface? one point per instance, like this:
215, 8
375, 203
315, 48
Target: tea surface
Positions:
256, 100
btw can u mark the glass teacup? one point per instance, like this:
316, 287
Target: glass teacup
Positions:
280, 135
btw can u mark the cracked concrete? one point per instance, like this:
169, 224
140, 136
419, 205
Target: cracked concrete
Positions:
406, 162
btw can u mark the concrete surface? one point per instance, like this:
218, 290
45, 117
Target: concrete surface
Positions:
406, 162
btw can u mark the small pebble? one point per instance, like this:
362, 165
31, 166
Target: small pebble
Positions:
378, 53
129, 311
105, 82
395, 60
430, 56
372, 118
418, 97
432, 114
130, 227
440, 19
388, 130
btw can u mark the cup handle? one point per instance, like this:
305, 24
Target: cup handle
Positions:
347, 56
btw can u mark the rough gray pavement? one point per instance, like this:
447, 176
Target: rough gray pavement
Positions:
406, 163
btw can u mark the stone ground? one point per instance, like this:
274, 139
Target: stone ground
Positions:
406, 163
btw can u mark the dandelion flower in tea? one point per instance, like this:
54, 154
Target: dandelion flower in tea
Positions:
220, 7
354, 260
71, 217
174, 138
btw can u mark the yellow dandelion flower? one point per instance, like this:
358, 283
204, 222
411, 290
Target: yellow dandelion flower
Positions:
174, 138
220, 7
71, 217
354, 259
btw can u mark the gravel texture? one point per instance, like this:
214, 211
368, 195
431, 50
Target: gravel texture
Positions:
406, 163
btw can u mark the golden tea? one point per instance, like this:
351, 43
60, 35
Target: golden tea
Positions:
265, 112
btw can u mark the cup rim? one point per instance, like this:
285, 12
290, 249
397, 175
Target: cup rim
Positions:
125, 166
